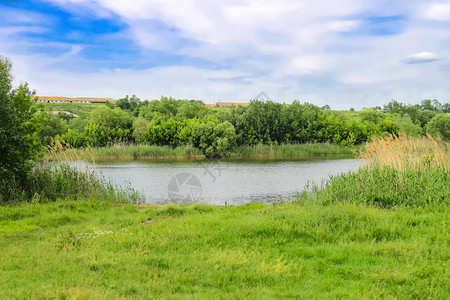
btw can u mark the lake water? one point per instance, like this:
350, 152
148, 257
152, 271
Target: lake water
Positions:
221, 183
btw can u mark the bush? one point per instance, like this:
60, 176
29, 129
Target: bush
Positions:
439, 126
214, 140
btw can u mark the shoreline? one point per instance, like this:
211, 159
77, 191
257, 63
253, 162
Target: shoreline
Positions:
160, 153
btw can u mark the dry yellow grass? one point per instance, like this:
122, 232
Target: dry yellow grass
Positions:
405, 152
62, 152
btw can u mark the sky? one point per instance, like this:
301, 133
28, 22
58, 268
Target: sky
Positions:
346, 53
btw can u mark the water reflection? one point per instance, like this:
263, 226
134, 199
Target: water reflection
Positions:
221, 183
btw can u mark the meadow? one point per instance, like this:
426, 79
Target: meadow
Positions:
381, 232
85, 250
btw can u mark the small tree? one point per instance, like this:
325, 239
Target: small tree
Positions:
440, 126
17, 145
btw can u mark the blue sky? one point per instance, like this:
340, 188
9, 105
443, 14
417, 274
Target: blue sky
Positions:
355, 54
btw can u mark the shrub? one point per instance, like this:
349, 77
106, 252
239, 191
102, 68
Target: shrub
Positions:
439, 126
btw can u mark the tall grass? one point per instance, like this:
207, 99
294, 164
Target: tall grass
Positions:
59, 181
61, 152
400, 171
48, 183
406, 153
291, 150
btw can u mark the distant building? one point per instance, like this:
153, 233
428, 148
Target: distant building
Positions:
51, 99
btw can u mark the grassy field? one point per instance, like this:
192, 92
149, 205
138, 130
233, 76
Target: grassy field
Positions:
75, 108
96, 250
381, 232
119, 151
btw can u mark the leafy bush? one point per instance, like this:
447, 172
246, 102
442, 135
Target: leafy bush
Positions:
439, 126
214, 140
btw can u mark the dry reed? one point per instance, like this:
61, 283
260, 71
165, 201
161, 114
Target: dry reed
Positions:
59, 151
403, 153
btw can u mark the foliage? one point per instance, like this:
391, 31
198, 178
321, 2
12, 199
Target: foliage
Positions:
169, 122
74, 139
108, 126
139, 129
388, 127
48, 126
214, 140
341, 132
18, 146
439, 126
370, 115
408, 127
163, 132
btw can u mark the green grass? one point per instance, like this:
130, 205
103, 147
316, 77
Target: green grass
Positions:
75, 108
145, 151
308, 251
186, 152
46, 183
384, 187
292, 151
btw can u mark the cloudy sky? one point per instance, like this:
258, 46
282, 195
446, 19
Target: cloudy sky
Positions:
345, 53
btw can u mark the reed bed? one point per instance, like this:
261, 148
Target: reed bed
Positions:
56, 178
403, 153
400, 171
60, 152
291, 150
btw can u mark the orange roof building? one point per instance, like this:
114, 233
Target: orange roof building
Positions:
230, 104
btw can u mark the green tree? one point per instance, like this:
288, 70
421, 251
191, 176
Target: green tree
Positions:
388, 127
163, 132
139, 129
109, 126
395, 107
446, 107
407, 126
48, 126
73, 138
191, 109
214, 140
18, 146
427, 104
370, 115
440, 126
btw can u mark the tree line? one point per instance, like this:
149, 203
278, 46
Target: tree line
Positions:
174, 123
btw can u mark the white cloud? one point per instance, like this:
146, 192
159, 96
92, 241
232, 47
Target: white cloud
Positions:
421, 57
292, 49
438, 12
344, 26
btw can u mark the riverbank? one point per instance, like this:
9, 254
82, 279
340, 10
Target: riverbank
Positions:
259, 151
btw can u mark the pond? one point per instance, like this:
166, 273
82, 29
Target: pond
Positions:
221, 182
